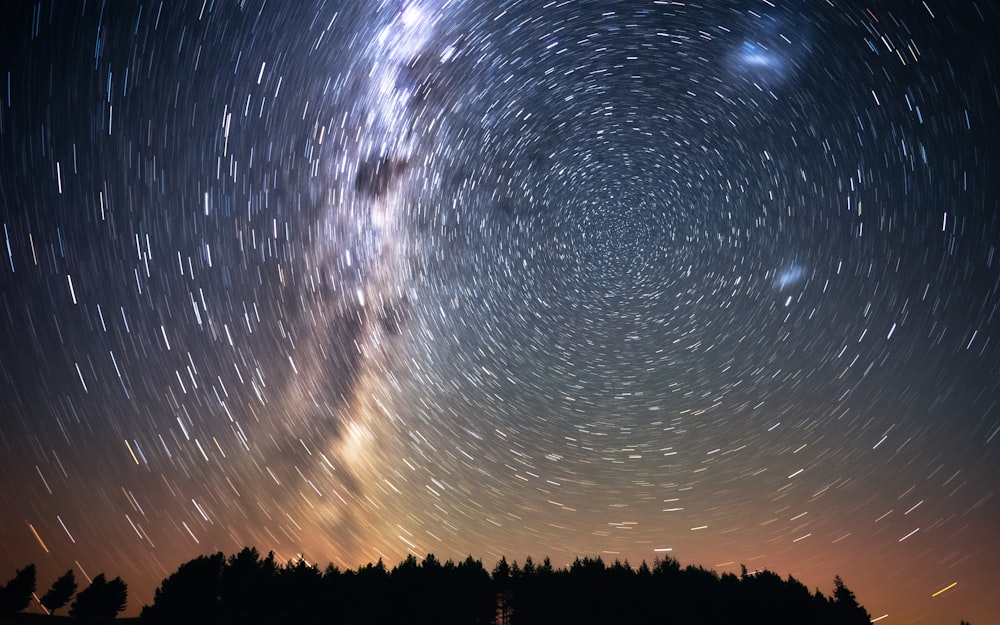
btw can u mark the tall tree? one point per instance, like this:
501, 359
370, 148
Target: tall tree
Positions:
60, 593
101, 601
299, 594
848, 609
15, 595
474, 595
193, 589
248, 587
501, 583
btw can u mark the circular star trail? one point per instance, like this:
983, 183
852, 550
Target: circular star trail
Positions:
351, 280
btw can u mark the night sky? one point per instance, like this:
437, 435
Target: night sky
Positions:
349, 280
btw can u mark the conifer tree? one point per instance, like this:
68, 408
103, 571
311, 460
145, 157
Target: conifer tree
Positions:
60, 593
16, 594
101, 601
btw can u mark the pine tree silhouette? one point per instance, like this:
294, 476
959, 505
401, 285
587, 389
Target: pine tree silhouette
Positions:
849, 611
60, 593
101, 601
193, 589
16, 594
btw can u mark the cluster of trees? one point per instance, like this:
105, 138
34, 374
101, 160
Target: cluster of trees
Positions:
246, 589
590, 592
100, 601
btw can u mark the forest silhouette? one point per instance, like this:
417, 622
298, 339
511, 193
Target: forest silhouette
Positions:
248, 589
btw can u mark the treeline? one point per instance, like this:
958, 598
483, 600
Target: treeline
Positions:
102, 600
246, 589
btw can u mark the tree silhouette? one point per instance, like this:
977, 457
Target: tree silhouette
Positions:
442, 593
60, 593
300, 594
248, 588
475, 603
193, 589
406, 592
849, 611
587, 585
101, 601
15, 595
502, 586
766, 596
365, 591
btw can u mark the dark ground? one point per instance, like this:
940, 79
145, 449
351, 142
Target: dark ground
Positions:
59, 619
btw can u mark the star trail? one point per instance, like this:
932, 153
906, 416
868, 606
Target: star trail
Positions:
353, 280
